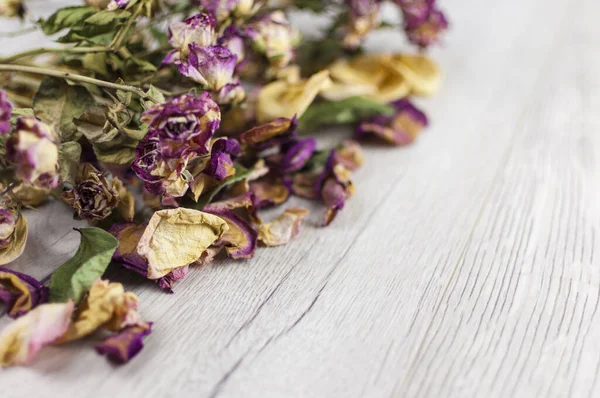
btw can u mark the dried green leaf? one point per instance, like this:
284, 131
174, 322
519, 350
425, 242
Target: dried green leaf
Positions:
347, 111
74, 278
100, 28
19, 112
65, 18
69, 154
95, 62
57, 103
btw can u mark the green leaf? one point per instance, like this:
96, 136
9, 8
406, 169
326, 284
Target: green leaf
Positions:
347, 111
241, 173
74, 278
19, 112
135, 67
57, 103
155, 97
117, 156
65, 18
107, 17
69, 154
95, 62
100, 28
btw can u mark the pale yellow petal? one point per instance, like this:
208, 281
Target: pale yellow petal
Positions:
178, 237
422, 73
17, 245
21, 340
283, 228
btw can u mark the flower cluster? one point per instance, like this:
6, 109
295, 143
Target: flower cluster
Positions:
217, 122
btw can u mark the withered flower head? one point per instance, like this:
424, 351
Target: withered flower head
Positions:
93, 196
198, 29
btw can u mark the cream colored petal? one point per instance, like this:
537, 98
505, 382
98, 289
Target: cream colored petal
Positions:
283, 228
178, 237
422, 73
16, 247
284, 99
24, 338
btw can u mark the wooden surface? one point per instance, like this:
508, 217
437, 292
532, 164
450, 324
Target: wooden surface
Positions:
465, 266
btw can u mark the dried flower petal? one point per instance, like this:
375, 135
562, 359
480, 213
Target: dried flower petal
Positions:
106, 306
20, 292
399, 129
190, 231
363, 18
283, 228
24, 338
198, 29
126, 344
273, 36
268, 193
334, 187
421, 73
270, 134
210, 66
13, 235
350, 154
283, 98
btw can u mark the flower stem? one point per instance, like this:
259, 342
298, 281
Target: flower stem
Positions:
72, 77
44, 50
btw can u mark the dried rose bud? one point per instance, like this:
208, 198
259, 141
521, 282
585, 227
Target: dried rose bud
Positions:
273, 36
5, 113
210, 66
11, 8
13, 235
399, 129
423, 22
185, 124
198, 29
93, 197
231, 94
161, 175
32, 149
364, 16
223, 9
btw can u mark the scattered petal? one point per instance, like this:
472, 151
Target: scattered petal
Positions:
283, 228
126, 344
20, 292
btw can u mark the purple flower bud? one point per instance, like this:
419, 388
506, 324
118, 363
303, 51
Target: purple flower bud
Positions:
273, 36
32, 149
93, 197
231, 94
198, 29
185, 124
5, 113
399, 129
423, 22
211, 66
223, 152
364, 16
20, 292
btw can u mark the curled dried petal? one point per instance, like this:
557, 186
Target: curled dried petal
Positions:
126, 344
20, 292
283, 228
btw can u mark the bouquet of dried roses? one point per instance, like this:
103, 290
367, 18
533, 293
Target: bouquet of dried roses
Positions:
169, 125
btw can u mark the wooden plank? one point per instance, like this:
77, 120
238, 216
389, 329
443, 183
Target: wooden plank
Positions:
433, 280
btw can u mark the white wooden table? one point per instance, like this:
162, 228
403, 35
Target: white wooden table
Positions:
466, 265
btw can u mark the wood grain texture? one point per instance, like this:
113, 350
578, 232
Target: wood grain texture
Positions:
465, 266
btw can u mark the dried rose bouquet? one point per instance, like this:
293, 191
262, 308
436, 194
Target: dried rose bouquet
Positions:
169, 125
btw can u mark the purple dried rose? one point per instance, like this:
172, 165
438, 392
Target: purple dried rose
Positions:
20, 292
5, 113
423, 22
401, 128
198, 29
32, 149
223, 152
185, 124
161, 174
123, 346
334, 187
93, 196
211, 66
274, 37
364, 16
223, 9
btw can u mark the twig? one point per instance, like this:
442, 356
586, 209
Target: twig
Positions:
45, 50
72, 77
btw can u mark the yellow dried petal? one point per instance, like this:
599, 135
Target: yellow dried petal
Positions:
178, 237
107, 306
283, 228
24, 338
17, 245
421, 73
283, 98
